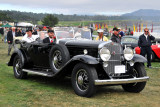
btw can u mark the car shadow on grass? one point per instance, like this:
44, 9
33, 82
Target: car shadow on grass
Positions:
53, 82
65, 83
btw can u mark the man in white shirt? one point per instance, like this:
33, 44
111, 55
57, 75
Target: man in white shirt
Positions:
28, 38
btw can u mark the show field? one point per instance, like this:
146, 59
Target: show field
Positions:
38, 91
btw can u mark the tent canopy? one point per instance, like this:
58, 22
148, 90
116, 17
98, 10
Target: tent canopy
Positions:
24, 24
7, 25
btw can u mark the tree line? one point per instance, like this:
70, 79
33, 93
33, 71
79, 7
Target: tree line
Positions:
17, 16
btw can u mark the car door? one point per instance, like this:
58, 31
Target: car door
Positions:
39, 55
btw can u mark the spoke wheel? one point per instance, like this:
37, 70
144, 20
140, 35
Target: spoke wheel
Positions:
82, 78
17, 68
57, 60
138, 71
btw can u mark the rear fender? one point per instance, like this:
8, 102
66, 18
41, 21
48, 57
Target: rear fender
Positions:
16, 52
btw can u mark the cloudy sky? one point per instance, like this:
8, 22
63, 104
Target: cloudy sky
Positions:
84, 7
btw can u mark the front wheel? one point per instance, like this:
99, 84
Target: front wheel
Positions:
17, 68
83, 77
138, 71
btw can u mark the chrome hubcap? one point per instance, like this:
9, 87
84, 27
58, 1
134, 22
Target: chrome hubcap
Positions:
57, 60
82, 80
18, 67
135, 74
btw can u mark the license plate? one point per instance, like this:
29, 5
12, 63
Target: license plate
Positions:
119, 69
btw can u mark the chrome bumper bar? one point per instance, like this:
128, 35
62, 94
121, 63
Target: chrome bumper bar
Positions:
121, 81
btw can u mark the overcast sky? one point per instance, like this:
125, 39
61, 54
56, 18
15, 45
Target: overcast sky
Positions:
84, 7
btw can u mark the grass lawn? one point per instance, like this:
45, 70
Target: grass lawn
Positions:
38, 91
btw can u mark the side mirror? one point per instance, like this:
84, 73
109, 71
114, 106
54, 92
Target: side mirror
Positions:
17, 41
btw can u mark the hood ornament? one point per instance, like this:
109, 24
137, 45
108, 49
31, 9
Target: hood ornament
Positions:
113, 53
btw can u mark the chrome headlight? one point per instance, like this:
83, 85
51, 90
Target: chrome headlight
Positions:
105, 54
128, 54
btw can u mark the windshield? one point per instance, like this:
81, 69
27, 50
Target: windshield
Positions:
72, 32
43, 35
129, 40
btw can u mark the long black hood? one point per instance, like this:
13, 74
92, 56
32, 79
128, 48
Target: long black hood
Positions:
81, 43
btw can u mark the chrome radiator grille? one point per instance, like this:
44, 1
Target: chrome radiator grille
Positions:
116, 52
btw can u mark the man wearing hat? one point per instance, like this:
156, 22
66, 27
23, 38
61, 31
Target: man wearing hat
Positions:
51, 37
100, 35
121, 32
115, 37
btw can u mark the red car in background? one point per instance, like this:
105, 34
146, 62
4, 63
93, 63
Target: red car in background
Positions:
155, 50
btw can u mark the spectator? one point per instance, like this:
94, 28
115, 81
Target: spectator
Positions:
19, 32
121, 32
10, 39
100, 35
2, 33
116, 37
5, 34
145, 44
78, 33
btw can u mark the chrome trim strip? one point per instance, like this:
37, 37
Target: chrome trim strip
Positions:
121, 81
34, 72
104, 43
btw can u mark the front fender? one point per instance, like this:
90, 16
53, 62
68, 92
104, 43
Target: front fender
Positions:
139, 58
16, 52
85, 59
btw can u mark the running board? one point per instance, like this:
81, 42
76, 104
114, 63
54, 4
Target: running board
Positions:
42, 73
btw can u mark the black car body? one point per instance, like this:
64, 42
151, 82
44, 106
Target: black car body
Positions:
89, 63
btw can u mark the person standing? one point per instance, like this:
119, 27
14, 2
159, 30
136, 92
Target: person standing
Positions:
145, 43
116, 37
51, 37
19, 32
121, 32
10, 39
101, 37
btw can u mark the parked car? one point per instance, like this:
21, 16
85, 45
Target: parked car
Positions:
89, 63
130, 41
155, 50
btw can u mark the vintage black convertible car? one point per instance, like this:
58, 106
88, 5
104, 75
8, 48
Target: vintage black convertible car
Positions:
89, 63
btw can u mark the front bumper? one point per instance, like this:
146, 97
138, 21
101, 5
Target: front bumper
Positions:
121, 81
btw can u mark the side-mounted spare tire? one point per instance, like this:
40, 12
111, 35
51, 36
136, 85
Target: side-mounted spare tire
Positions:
58, 57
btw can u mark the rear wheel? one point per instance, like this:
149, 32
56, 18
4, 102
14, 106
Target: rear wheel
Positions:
17, 68
138, 71
153, 57
83, 77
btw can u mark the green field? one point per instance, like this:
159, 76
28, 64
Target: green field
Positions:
38, 91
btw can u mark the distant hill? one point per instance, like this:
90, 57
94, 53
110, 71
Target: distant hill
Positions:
144, 12
34, 17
